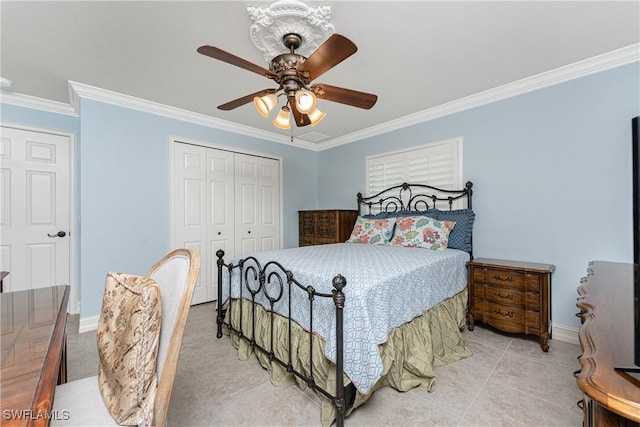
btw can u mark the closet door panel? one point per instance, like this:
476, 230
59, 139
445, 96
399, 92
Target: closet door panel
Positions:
269, 204
220, 221
246, 204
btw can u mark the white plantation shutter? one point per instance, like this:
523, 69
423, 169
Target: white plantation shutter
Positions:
437, 164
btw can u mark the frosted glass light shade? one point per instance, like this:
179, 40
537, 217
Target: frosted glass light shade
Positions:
316, 116
282, 120
305, 101
264, 104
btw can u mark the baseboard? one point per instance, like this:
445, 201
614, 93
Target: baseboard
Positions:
88, 324
565, 334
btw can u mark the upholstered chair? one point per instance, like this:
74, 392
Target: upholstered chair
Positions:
176, 274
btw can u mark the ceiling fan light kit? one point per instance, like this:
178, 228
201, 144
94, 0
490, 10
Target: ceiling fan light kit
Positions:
291, 71
316, 116
282, 119
264, 104
305, 101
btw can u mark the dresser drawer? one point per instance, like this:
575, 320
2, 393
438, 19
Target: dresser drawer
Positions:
306, 241
327, 229
324, 240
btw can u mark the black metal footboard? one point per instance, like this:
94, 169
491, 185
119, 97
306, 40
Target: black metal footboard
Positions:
266, 284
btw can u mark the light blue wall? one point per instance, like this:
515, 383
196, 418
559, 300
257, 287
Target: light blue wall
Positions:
551, 172
123, 202
551, 168
125, 189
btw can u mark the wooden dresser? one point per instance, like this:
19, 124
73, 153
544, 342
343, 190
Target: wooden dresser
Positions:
320, 227
606, 336
511, 296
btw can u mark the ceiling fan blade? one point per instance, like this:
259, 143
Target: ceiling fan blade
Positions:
344, 96
301, 119
244, 100
229, 58
333, 51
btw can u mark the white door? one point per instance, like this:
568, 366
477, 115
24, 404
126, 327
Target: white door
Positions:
35, 209
246, 204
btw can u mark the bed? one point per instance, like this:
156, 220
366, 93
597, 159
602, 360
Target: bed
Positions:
382, 309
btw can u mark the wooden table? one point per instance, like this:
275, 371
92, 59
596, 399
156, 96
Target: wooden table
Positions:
33, 354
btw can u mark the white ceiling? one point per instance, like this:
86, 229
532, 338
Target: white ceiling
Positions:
414, 55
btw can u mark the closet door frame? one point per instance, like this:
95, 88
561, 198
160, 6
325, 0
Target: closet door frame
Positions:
172, 196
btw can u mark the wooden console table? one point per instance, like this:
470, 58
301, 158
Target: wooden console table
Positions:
33, 354
606, 337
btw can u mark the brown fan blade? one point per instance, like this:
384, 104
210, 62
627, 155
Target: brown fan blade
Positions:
344, 96
301, 119
333, 51
244, 100
229, 58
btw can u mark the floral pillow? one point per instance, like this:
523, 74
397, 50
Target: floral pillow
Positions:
422, 232
372, 231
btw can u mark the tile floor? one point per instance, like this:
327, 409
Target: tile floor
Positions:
508, 381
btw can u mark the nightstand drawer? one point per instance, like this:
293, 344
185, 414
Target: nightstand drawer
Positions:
512, 297
511, 279
512, 319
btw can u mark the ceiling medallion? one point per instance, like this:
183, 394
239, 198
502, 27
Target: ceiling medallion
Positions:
283, 17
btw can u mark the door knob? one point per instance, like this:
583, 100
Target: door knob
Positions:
58, 234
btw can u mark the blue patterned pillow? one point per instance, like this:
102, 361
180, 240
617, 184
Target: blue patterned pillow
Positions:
460, 236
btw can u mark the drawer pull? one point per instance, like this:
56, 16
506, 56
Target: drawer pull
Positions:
498, 311
507, 296
499, 277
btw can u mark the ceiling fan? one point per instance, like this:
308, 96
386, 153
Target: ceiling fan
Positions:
294, 74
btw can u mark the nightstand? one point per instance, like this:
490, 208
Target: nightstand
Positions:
511, 296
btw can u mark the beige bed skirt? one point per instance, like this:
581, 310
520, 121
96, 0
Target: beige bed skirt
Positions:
409, 356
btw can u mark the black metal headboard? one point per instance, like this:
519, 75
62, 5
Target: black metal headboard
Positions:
412, 197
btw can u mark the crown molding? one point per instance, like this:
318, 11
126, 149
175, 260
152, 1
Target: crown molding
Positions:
563, 74
80, 90
566, 73
33, 102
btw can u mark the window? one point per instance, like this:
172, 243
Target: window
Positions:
438, 164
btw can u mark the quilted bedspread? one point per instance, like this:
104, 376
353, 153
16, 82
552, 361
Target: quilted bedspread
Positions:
387, 286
